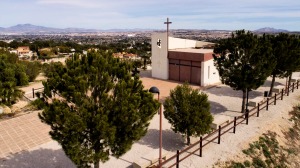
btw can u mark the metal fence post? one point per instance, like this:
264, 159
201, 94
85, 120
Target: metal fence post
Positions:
282, 94
234, 125
200, 147
288, 90
258, 110
33, 92
177, 159
267, 107
247, 116
275, 99
293, 87
219, 137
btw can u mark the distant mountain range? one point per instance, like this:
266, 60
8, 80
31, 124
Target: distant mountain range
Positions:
33, 29
270, 30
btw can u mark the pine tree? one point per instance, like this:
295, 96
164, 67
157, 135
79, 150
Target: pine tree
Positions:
146, 58
188, 111
244, 61
101, 109
9, 93
286, 49
32, 69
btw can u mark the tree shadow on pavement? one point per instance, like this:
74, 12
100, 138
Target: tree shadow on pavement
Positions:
223, 90
171, 141
217, 108
145, 73
268, 83
47, 158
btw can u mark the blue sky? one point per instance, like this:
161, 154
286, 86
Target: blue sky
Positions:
185, 14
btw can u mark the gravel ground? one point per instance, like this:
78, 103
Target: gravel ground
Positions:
224, 101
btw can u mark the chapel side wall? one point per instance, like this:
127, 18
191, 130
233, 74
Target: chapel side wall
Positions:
175, 43
209, 73
159, 57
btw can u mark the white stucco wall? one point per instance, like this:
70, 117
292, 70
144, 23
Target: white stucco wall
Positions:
209, 73
175, 43
202, 43
159, 59
62, 60
296, 75
160, 64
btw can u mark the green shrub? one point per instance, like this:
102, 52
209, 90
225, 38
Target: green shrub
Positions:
38, 104
258, 163
32, 69
237, 165
11, 75
266, 151
247, 163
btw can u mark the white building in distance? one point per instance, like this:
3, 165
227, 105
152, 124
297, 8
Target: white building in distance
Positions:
186, 61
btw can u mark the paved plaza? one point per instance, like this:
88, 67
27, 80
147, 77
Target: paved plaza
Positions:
25, 140
22, 133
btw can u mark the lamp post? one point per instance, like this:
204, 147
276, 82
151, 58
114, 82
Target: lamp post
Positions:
154, 89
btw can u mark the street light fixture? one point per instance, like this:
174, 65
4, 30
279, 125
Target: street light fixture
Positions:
154, 89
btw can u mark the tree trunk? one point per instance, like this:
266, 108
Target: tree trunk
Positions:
188, 140
290, 78
97, 164
244, 100
145, 64
286, 85
272, 86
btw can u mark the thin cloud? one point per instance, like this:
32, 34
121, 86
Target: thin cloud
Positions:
75, 3
107, 4
212, 14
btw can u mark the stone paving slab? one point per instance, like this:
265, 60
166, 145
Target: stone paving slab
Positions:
22, 133
164, 86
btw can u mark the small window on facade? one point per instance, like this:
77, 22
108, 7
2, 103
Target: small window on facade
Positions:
158, 43
208, 71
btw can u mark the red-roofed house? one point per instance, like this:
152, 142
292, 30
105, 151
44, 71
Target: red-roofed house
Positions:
130, 56
24, 51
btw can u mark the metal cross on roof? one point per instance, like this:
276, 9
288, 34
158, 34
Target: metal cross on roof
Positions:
167, 23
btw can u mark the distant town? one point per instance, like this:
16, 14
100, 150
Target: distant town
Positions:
149, 98
98, 37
